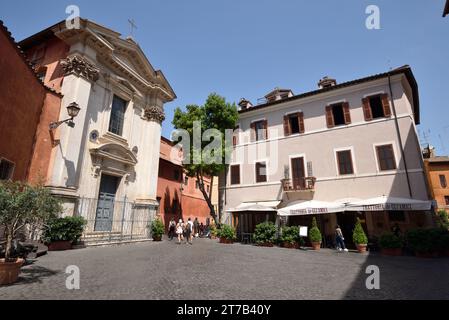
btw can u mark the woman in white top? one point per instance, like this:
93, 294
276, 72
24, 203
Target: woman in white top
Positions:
180, 230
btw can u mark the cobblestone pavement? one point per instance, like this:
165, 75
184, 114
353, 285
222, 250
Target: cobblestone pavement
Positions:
209, 270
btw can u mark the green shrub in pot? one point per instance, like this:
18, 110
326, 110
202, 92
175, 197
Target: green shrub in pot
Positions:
290, 235
265, 233
227, 232
64, 229
390, 241
157, 229
314, 232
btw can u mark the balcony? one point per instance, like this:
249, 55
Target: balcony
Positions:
299, 188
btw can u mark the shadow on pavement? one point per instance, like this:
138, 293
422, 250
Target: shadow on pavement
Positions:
401, 278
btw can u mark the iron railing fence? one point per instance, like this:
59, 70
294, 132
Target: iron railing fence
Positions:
127, 220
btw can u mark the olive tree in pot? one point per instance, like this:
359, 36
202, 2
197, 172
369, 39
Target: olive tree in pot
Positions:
265, 234
315, 235
391, 244
227, 234
61, 233
21, 205
157, 229
359, 237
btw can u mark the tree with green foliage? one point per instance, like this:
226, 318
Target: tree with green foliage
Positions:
21, 205
216, 114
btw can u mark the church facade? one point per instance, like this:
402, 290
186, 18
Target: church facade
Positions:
104, 163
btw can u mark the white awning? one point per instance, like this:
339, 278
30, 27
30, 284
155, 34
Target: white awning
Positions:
256, 206
311, 207
388, 203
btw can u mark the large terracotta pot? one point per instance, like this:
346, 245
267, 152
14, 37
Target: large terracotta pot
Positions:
290, 245
60, 245
426, 255
391, 252
265, 244
157, 238
9, 271
361, 248
316, 245
226, 241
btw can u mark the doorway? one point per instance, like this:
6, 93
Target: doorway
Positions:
347, 220
298, 173
106, 197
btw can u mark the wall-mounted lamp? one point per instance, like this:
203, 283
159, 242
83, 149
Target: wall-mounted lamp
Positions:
72, 109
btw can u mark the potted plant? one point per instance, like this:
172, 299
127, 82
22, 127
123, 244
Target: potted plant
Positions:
290, 237
315, 235
265, 234
61, 233
157, 229
423, 242
227, 234
359, 237
21, 205
390, 244
213, 231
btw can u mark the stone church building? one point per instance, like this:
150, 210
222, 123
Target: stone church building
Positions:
103, 162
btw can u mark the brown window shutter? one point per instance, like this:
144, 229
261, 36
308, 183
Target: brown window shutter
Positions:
346, 113
301, 122
265, 127
329, 117
286, 126
386, 105
367, 109
253, 132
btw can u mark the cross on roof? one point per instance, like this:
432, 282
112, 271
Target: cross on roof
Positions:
132, 25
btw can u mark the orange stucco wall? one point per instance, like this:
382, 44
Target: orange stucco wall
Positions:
54, 50
434, 170
174, 201
21, 101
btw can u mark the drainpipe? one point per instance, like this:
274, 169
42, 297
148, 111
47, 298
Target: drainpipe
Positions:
401, 146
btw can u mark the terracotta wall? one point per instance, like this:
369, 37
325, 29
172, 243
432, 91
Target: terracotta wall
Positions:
434, 170
193, 203
53, 51
21, 100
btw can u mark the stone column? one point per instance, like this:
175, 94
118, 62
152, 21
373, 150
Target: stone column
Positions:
79, 78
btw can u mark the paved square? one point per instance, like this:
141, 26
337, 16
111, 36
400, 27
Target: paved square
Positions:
209, 270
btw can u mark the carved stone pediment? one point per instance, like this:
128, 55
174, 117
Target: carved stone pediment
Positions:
81, 67
114, 152
154, 113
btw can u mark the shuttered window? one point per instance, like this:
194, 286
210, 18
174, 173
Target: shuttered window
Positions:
261, 172
235, 174
259, 130
344, 161
385, 157
6, 169
338, 114
443, 181
376, 107
294, 123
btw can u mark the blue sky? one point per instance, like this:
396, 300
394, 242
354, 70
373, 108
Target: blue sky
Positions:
246, 48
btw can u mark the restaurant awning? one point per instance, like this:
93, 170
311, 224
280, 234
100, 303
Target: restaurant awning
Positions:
264, 206
311, 207
388, 203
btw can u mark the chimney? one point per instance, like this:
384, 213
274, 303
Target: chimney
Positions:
428, 152
326, 82
245, 104
278, 94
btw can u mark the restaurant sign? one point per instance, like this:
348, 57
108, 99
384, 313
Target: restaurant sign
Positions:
299, 212
388, 206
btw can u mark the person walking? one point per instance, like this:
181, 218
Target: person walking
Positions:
196, 225
171, 228
339, 239
189, 231
201, 230
180, 230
